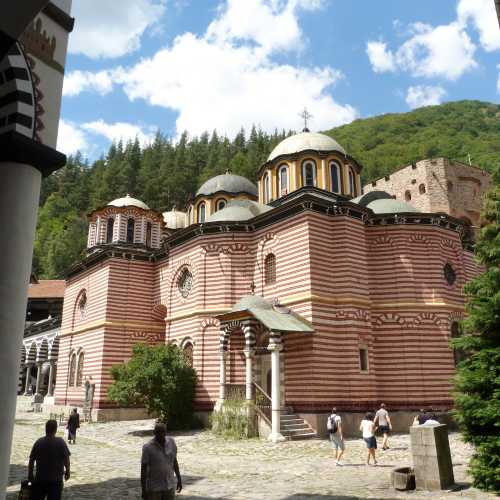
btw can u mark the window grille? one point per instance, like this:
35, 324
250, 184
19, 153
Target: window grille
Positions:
270, 269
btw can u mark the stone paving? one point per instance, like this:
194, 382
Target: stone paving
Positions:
105, 465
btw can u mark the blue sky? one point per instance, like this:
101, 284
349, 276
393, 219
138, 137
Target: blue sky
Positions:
198, 65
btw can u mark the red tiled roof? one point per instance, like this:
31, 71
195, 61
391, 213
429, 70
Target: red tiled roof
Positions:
47, 289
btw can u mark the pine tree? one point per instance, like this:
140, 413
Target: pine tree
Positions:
477, 384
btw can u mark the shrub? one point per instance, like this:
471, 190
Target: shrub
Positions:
234, 420
159, 378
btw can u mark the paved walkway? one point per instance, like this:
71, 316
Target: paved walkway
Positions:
105, 465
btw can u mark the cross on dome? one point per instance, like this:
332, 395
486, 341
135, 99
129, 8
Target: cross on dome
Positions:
305, 115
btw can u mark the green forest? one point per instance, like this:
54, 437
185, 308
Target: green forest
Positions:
166, 172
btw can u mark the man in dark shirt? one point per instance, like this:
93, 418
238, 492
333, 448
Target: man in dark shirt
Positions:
51, 456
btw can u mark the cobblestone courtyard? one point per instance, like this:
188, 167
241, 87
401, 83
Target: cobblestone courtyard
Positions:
105, 465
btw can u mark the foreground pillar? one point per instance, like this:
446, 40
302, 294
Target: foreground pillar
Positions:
248, 375
38, 378
20, 185
222, 376
275, 348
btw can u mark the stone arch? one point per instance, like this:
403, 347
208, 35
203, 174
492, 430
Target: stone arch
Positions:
77, 307
384, 318
43, 351
54, 349
427, 318
32, 353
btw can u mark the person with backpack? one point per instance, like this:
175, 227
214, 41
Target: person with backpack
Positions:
334, 427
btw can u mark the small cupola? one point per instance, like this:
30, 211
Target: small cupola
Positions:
125, 221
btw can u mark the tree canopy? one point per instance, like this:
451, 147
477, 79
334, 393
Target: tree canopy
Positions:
477, 384
166, 172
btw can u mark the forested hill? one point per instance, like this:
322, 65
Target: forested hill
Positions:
165, 173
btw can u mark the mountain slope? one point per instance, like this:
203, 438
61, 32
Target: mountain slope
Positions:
385, 143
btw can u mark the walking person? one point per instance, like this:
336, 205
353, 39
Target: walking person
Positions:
51, 456
72, 425
383, 422
368, 428
334, 427
159, 467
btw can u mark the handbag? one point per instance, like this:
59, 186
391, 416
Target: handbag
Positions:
25, 491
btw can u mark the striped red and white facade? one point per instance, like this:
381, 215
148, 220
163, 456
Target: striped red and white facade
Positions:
373, 287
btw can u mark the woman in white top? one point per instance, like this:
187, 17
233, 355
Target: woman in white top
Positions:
368, 428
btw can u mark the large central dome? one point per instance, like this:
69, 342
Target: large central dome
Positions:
229, 183
303, 142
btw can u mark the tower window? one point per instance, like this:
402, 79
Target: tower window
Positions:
283, 180
185, 283
72, 370
270, 269
458, 354
352, 182
449, 274
267, 188
82, 305
109, 230
79, 370
421, 189
187, 350
335, 176
201, 212
149, 229
221, 204
309, 173
363, 359
130, 230
407, 196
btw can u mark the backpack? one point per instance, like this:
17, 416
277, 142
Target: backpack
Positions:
331, 424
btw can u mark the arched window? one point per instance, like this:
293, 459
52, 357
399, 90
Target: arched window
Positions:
458, 354
308, 173
79, 370
421, 189
185, 283
72, 369
270, 269
149, 229
109, 230
221, 203
267, 188
407, 196
82, 305
190, 215
130, 230
283, 181
352, 182
187, 350
201, 212
335, 176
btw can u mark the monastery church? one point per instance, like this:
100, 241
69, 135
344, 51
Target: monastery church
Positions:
302, 292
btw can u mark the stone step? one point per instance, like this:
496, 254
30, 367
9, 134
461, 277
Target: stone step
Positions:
291, 420
298, 425
294, 427
305, 435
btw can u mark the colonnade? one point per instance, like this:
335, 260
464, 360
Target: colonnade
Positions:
39, 378
275, 347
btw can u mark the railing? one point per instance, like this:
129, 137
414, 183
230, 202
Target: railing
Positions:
262, 403
235, 391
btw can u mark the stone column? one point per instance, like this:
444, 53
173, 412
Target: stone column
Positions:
222, 375
248, 374
323, 173
50, 389
27, 381
38, 377
275, 347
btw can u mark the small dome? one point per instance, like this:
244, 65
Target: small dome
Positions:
229, 183
391, 206
175, 219
239, 210
303, 142
128, 201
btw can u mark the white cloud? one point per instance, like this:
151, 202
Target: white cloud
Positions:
81, 81
119, 130
484, 18
381, 59
444, 51
70, 138
424, 95
111, 28
272, 24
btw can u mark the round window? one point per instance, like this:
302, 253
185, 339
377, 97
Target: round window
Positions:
185, 283
449, 274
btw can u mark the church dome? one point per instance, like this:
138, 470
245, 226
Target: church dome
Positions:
228, 183
303, 142
175, 219
239, 210
128, 201
391, 206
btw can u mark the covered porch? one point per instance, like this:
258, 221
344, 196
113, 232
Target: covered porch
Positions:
255, 330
